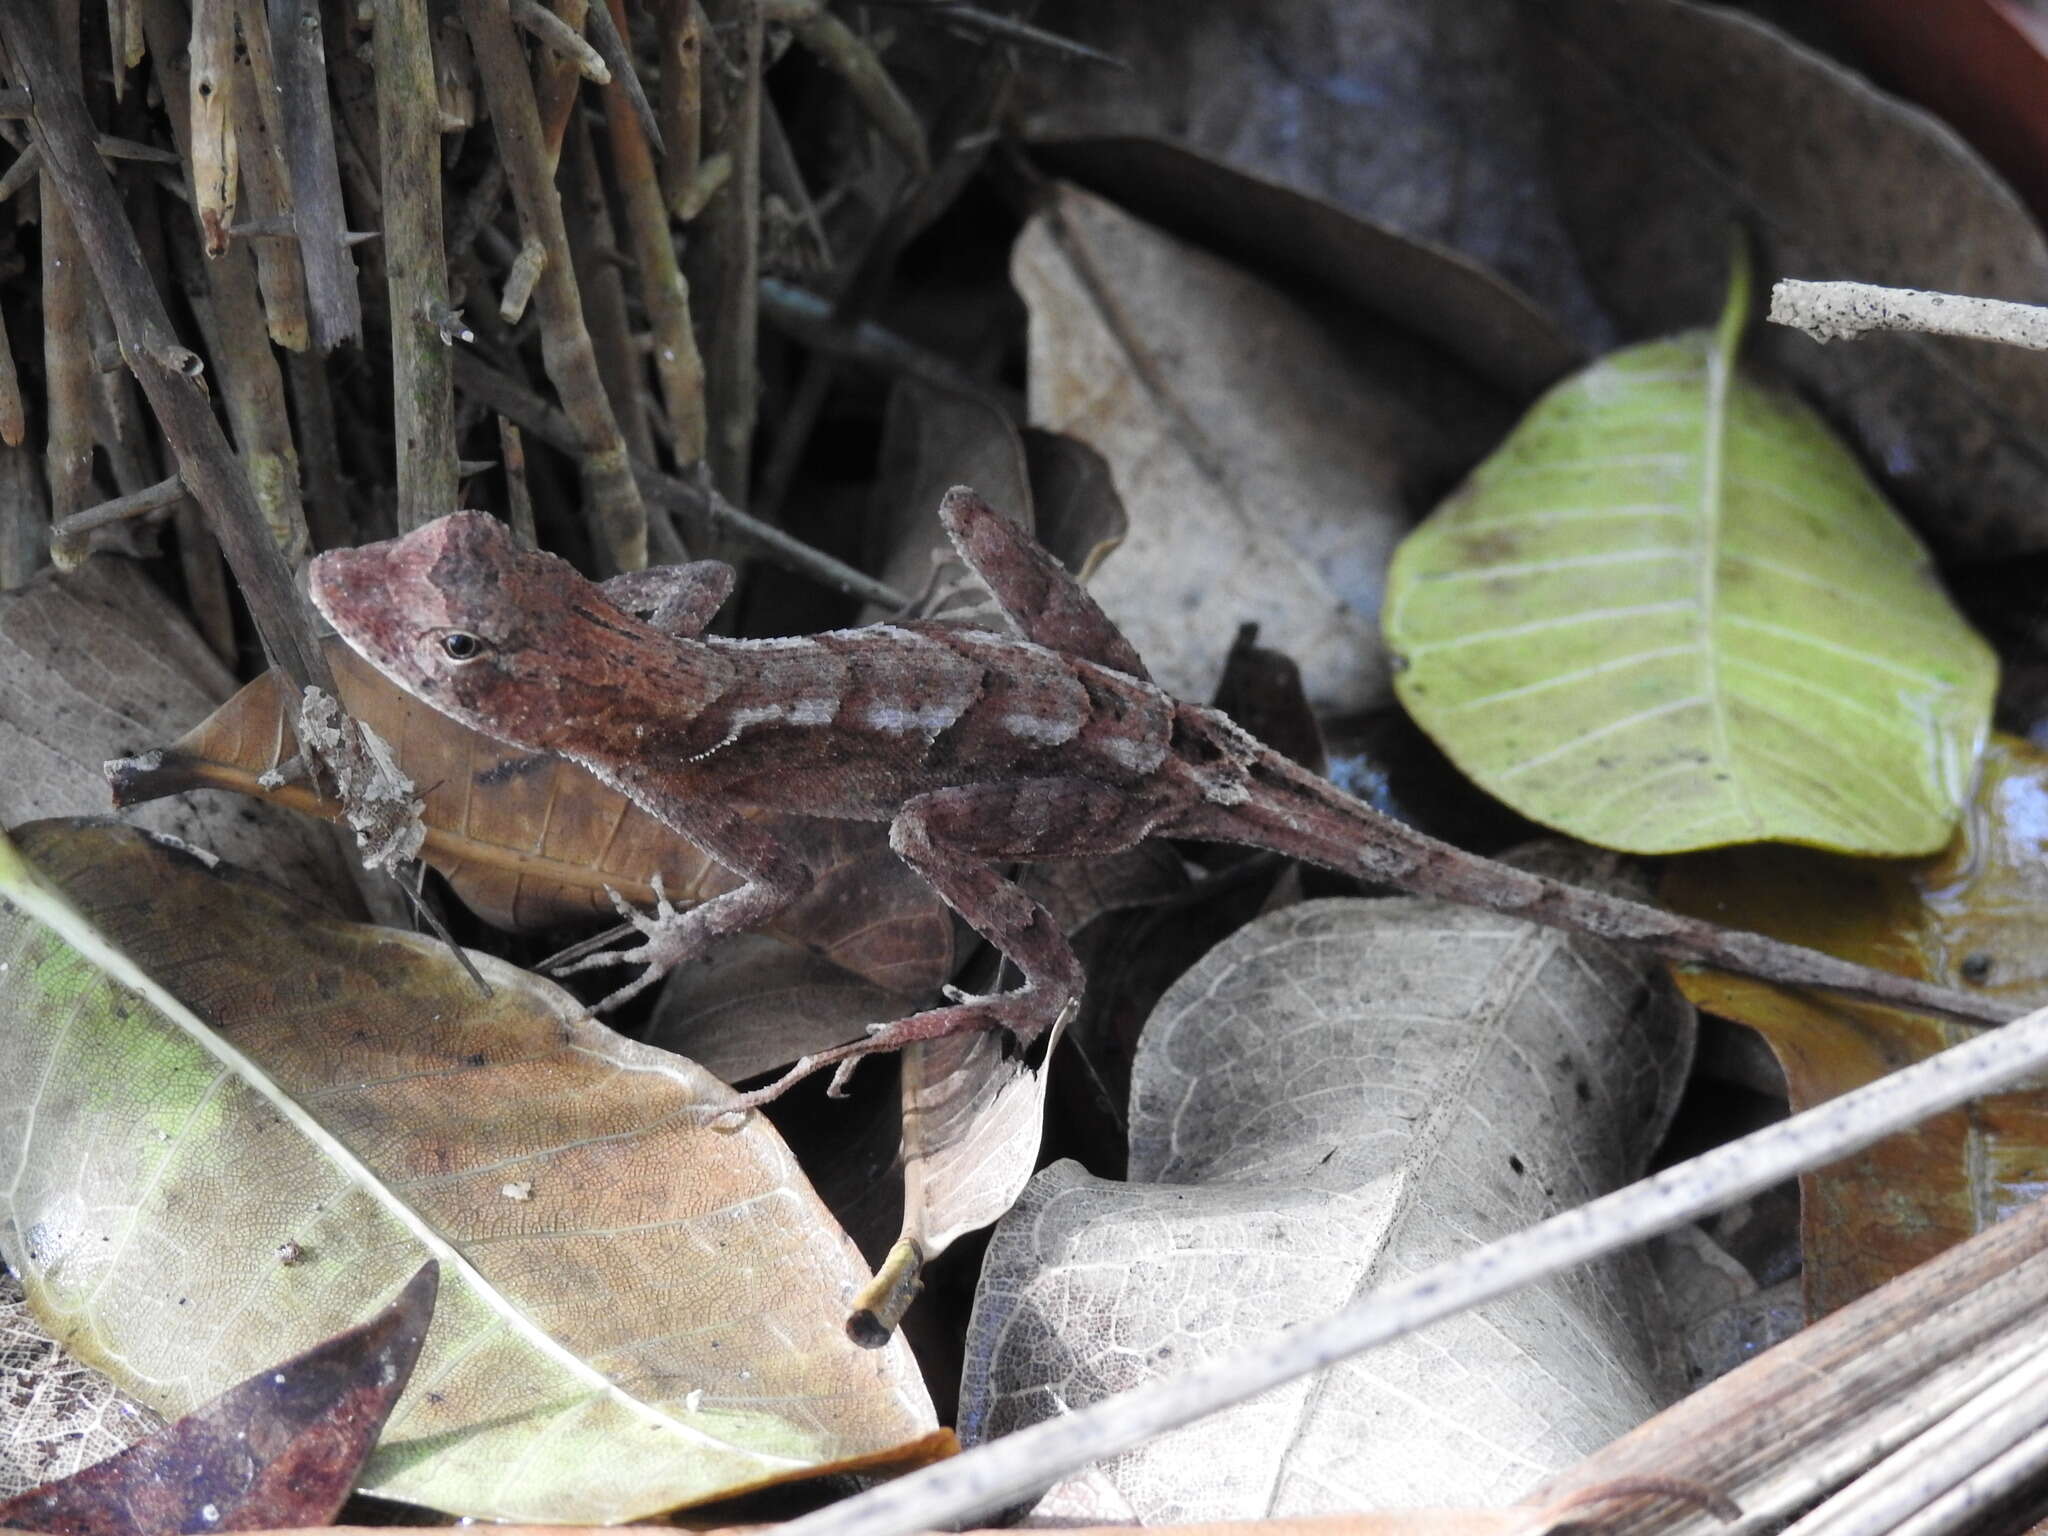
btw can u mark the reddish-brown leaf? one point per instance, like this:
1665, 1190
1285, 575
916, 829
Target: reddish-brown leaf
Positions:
279, 1449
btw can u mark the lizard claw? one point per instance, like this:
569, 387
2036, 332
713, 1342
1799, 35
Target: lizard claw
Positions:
667, 939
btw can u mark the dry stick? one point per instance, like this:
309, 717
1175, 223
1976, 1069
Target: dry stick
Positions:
68, 539
808, 317
619, 517
1030, 1458
561, 39
730, 244
518, 495
973, 21
238, 338
24, 516
682, 117
20, 173
557, 84
215, 151
13, 420
512, 399
169, 372
594, 248
334, 308
678, 367
607, 36
781, 177
266, 183
415, 264
1844, 311
843, 51
67, 365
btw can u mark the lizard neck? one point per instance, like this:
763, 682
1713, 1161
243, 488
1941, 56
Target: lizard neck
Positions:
635, 702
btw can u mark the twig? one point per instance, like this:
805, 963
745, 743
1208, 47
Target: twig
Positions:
68, 539
518, 495
20, 173
512, 399
214, 149
169, 373
607, 37
1030, 1458
334, 308
618, 516
809, 318
415, 262
843, 51
782, 177
1844, 311
326, 493
682, 115
24, 517
13, 421
557, 82
232, 316
594, 248
678, 367
557, 36
730, 243
973, 21
266, 183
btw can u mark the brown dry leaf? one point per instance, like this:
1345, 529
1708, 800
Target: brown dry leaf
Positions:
97, 663
1975, 915
281, 1448
1336, 1093
250, 1120
1268, 459
1668, 122
530, 841
1350, 131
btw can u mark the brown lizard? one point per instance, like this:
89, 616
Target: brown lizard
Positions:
976, 748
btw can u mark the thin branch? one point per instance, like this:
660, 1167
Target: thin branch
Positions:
169, 372
1845, 311
334, 308
682, 115
607, 37
847, 54
1028, 1459
415, 262
618, 516
560, 39
729, 246
68, 539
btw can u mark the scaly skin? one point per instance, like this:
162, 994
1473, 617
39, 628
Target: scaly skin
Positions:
978, 749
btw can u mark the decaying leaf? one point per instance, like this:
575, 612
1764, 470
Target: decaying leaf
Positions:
1267, 462
1667, 122
279, 1450
200, 1070
1410, 114
530, 841
1975, 915
1670, 612
61, 1413
1341, 1091
97, 663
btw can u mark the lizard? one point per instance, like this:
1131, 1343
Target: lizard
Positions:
979, 749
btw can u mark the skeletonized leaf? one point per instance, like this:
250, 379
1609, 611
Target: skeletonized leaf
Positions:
1341, 1091
279, 1450
1974, 916
529, 841
62, 1414
1267, 462
638, 1309
1670, 612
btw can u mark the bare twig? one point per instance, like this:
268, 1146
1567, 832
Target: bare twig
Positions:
518, 495
556, 35
666, 297
607, 36
67, 366
1029, 1458
169, 373
809, 318
266, 183
69, 538
973, 21
415, 262
846, 53
13, 422
1844, 311
334, 309
24, 517
594, 247
215, 150
20, 173
730, 247
682, 117
619, 517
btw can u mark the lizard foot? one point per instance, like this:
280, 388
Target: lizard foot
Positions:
667, 939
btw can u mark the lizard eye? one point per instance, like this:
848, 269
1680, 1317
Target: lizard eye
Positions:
460, 645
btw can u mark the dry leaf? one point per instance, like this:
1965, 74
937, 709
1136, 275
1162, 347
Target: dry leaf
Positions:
280, 1449
97, 663
61, 1413
219, 1071
1343, 1090
1974, 916
530, 841
1267, 465
1668, 122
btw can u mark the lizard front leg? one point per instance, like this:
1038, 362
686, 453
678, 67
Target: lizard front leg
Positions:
774, 879
949, 837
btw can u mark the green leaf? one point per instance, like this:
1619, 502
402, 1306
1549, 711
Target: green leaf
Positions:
1671, 612
231, 1121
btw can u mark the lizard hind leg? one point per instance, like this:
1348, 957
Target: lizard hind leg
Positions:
949, 837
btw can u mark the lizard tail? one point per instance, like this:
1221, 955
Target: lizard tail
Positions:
1241, 791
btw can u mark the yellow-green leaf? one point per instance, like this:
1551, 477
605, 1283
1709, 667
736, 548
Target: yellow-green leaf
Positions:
1671, 612
230, 1121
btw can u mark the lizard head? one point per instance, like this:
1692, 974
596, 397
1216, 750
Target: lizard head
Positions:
460, 615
